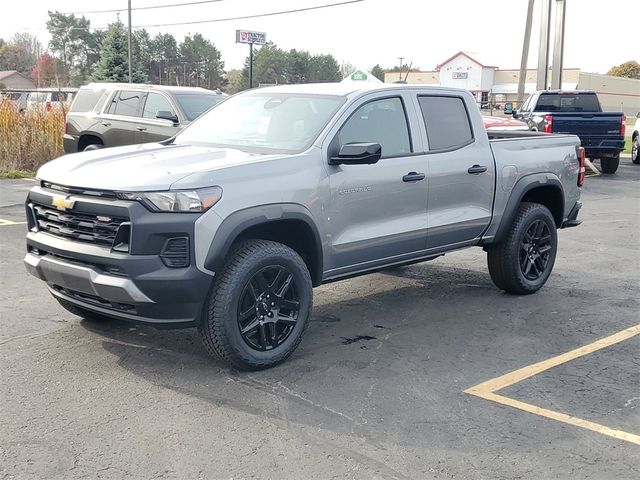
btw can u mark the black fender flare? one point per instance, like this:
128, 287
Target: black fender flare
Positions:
238, 222
519, 190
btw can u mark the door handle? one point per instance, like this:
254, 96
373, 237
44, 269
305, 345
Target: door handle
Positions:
477, 169
106, 124
141, 129
413, 177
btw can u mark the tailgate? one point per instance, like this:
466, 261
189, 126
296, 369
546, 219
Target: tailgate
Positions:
587, 124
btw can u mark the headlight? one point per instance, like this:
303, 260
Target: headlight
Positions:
176, 200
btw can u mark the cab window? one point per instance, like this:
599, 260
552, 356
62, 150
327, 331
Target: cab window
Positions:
380, 121
156, 103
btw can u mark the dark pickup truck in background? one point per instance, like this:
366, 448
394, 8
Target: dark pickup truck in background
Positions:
578, 113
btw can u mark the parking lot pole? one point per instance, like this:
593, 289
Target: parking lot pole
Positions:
543, 51
525, 53
251, 65
129, 41
558, 45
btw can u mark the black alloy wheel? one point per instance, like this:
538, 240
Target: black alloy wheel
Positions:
535, 250
269, 307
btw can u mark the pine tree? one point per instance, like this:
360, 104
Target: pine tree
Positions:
114, 64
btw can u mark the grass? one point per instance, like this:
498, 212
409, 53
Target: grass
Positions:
18, 174
28, 139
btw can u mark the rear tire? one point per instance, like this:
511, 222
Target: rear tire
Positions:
259, 306
609, 165
635, 150
82, 312
523, 261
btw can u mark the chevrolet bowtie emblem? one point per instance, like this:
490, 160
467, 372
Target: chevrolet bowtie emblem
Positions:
62, 203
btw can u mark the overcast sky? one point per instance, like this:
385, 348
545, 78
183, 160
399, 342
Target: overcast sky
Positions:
598, 35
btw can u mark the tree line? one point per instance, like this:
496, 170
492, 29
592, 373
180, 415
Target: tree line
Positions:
78, 54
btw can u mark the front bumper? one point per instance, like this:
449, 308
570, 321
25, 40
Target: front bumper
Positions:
138, 288
129, 281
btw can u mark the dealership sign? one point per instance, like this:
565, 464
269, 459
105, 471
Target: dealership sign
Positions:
359, 75
460, 75
247, 36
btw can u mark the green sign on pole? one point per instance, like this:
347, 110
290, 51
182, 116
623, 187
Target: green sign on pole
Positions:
359, 75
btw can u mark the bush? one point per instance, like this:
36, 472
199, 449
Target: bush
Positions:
29, 139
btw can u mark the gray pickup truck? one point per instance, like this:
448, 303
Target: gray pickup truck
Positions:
229, 225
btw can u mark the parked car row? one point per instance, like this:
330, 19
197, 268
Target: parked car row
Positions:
46, 99
113, 114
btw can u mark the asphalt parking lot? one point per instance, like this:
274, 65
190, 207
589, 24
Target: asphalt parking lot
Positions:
389, 381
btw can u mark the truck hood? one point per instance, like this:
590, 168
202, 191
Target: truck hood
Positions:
146, 167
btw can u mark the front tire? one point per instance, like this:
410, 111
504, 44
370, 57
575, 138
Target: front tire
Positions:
609, 165
259, 306
635, 150
522, 263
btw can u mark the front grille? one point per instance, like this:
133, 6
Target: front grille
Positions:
84, 227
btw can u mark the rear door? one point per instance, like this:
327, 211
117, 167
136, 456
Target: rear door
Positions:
118, 122
461, 172
151, 129
378, 212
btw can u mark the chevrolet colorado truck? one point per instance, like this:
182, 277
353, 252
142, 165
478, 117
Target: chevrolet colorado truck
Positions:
578, 112
229, 225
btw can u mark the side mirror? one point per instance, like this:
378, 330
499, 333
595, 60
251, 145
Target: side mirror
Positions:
638, 115
508, 108
357, 154
166, 115
514, 113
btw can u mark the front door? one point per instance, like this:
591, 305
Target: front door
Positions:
377, 212
461, 173
151, 129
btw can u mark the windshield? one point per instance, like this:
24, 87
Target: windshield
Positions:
195, 104
264, 122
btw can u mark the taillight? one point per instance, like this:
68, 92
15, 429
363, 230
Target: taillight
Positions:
623, 126
548, 123
581, 171
48, 106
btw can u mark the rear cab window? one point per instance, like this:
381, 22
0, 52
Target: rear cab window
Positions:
568, 102
447, 122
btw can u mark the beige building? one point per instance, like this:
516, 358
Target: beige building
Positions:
490, 83
12, 79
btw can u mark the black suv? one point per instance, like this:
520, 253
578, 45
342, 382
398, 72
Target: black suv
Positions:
113, 114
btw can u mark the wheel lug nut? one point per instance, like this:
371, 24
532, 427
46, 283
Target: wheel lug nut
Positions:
273, 304
261, 317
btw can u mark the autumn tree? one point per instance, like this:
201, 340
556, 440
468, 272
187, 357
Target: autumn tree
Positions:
630, 69
44, 72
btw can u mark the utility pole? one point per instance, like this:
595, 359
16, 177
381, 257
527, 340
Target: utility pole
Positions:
558, 47
543, 51
251, 65
525, 53
401, 59
129, 41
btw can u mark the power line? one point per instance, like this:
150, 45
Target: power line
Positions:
228, 19
169, 5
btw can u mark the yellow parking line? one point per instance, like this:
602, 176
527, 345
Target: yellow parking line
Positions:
487, 389
10, 222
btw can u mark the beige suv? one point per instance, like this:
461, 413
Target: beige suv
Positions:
113, 114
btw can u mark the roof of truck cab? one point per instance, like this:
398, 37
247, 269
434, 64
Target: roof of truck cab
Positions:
344, 89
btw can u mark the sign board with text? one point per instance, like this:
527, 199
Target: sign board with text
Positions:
248, 36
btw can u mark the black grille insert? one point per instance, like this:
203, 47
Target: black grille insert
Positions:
175, 253
84, 227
